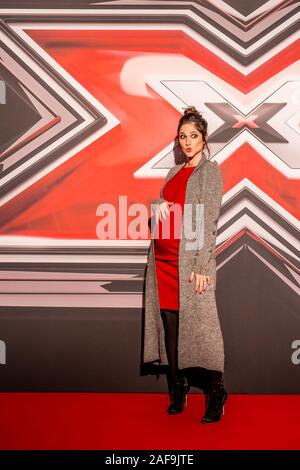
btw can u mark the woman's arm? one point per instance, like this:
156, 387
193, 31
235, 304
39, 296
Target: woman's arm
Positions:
158, 201
211, 197
161, 198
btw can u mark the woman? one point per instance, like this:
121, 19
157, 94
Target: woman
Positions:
181, 327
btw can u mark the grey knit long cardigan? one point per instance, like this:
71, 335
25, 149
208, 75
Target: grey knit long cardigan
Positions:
200, 341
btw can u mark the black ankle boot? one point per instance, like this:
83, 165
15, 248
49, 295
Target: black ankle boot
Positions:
178, 395
215, 400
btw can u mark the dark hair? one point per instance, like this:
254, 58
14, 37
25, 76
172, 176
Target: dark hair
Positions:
192, 115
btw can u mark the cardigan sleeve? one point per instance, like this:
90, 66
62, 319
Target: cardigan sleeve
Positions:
211, 197
161, 199
155, 203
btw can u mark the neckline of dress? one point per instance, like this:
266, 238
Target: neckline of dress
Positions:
198, 164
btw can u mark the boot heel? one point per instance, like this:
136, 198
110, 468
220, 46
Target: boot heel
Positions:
178, 395
214, 406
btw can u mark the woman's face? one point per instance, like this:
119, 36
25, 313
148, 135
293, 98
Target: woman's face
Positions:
190, 139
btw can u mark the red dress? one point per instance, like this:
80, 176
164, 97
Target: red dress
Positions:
166, 250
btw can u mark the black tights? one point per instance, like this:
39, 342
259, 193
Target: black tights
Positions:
170, 321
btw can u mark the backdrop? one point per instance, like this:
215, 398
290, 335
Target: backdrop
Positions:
91, 94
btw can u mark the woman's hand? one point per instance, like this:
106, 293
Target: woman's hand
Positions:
201, 281
162, 210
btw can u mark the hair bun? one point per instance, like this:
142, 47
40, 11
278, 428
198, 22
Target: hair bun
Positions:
192, 110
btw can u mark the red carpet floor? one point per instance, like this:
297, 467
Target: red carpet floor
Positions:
139, 421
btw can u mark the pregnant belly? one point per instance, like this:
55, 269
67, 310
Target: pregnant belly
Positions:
166, 243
